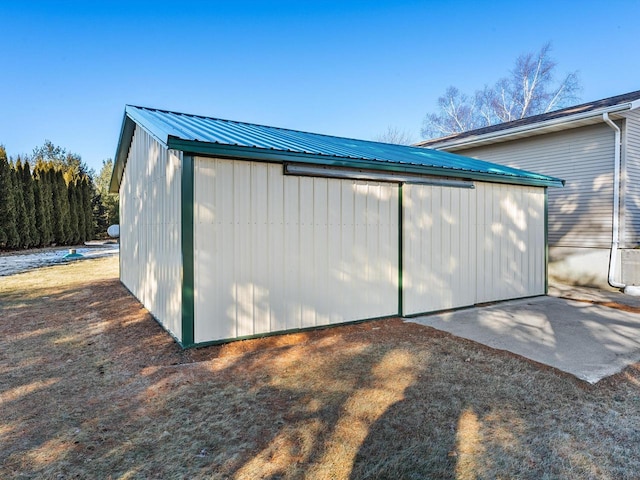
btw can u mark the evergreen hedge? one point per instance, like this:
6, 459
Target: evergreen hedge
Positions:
46, 206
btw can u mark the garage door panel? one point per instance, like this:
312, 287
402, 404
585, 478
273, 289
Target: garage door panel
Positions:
439, 258
511, 242
326, 253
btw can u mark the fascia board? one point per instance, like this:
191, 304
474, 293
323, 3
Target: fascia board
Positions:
250, 153
122, 151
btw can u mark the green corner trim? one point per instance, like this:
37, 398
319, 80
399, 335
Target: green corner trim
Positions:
186, 224
400, 249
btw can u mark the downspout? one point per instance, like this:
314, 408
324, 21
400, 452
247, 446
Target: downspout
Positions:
615, 240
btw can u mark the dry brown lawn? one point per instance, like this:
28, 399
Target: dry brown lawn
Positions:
92, 387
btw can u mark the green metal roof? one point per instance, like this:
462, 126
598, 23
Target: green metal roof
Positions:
229, 139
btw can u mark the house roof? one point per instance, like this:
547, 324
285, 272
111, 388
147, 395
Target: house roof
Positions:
570, 117
198, 135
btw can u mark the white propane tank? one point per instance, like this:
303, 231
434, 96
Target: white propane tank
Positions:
114, 231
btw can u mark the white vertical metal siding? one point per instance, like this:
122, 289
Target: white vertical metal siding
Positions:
275, 252
439, 255
464, 246
580, 213
510, 242
150, 235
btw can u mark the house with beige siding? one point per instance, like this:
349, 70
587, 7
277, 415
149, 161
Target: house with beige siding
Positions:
594, 222
232, 230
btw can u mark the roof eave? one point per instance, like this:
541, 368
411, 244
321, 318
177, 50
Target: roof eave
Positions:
132, 117
529, 130
122, 151
195, 147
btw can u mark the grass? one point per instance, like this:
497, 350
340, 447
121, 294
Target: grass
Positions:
92, 387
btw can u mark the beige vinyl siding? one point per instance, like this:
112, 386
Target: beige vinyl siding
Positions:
439, 236
632, 180
580, 213
275, 252
150, 240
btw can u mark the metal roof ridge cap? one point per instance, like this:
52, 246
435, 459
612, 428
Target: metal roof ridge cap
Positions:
532, 126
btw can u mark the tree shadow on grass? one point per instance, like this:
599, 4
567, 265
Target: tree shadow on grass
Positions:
480, 413
93, 387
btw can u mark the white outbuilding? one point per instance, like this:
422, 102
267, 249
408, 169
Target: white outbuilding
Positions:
231, 230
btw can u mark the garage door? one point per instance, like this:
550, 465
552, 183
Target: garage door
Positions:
439, 248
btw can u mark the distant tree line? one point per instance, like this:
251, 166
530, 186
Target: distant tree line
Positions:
51, 198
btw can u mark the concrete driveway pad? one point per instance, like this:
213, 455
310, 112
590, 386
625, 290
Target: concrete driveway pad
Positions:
586, 340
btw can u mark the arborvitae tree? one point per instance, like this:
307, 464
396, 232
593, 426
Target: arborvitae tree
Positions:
54, 204
99, 213
8, 230
61, 214
74, 231
85, 212
15, 242
29, 202
87, 198
63, 190
22, 220
3, 197
44, 202
38, 212
56, 215
73, 170
39, 205
82, 229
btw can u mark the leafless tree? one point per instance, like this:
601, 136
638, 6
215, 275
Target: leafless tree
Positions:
529, 90
395, 135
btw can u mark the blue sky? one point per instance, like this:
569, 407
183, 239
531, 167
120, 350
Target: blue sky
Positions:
340, 68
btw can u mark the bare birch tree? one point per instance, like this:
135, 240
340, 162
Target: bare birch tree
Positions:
530, 89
